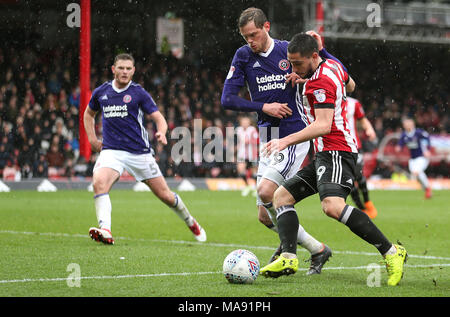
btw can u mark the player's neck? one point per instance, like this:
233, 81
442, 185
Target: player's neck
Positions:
120, 87
268, 44
319, 61
268, 47
316, 65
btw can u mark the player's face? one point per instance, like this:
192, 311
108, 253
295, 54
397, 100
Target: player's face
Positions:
245, 123
302, 66
123, 71
256, 38
408, 125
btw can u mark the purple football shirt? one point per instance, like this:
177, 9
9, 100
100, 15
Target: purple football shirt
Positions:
264, 74
417, 142
123, 116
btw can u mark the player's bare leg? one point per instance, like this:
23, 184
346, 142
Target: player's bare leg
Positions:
159, 187
267, 215
423, 180
242, 173
103, 179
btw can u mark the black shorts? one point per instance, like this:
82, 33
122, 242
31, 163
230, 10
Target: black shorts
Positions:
330, 174
359, 174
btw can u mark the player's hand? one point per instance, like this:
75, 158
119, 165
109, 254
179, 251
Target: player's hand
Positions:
273, 146
398, 148
371, 135
317, 37
277, 110
427, 154
161, 138
295, 79
96, 145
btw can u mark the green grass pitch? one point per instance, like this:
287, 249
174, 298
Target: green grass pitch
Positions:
44, 241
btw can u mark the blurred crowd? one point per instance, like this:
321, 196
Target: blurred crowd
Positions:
39, 110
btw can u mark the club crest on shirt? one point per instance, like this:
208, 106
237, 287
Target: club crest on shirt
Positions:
126, 98
320, 95
284, 64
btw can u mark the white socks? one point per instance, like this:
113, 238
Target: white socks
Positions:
103, 210
423, 180
181, 210
391, 251
308, 242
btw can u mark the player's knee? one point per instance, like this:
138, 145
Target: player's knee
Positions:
331, 208
100, 185
265, 193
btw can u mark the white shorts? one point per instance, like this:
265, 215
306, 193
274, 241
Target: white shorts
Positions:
418, 164
283, 165
140, 166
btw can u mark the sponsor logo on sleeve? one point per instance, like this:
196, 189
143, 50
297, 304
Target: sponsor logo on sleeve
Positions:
231, 72
320, 95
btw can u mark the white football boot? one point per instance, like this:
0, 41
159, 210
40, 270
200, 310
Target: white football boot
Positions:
101, 235
198, 231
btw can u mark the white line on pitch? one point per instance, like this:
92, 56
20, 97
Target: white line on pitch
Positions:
59, 279
77, 235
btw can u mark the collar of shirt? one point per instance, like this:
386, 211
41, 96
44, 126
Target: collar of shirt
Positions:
117, 89
272, 44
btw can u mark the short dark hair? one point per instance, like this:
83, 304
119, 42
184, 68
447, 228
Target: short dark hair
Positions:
304, 44
252, 14
124, 56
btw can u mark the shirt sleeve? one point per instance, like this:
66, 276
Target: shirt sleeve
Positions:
323, 92
148, 104
93, 102
235, 80
426, 138
401, 140
359, 111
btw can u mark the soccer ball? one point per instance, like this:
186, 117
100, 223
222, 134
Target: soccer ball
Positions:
241, 267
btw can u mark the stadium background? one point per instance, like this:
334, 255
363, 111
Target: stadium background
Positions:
401, 68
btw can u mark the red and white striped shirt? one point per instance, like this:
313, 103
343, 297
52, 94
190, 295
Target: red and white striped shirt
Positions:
247, 144
355, 112
326, 89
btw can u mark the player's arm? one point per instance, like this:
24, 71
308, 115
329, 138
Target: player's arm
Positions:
350, 85
89, 126
427, 141
149, 107
322, 51
232, 101
161, 126
368, 128
234, 82
321, 126
400, 144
